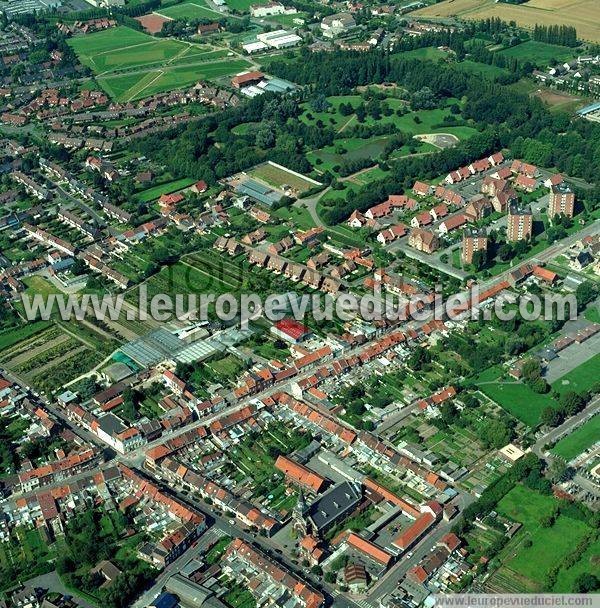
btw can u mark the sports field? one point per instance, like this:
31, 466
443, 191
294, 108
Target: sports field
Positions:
189, 10
241, 6
581, 14
579, 440
153, 65
580, 379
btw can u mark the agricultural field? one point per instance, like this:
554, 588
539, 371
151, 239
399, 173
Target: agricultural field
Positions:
54, 354
278, 177
579, 440
581, 14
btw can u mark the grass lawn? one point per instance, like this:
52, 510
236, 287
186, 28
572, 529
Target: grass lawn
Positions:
240, 5
592, 314
579, 440
429, 52
155, 192
587, 563
188, 10
299, 216
580, 379
519, 400
538, 52
483, 69
549, 545
287, 20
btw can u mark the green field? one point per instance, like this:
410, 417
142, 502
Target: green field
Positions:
549, 546
136, 86
541, 52
579, 440
519, 400
163, 64
580, 379
241, 6
123, 47
155, 192
188, 10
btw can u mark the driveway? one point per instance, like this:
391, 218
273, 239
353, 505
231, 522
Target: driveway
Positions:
53, 584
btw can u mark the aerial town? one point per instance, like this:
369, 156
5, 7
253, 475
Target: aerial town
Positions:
324, 152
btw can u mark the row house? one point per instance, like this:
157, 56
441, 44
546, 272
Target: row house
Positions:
230, 245
389, 235
448, 196
31, 186
452, 223
78, 223
49, 239
519, 167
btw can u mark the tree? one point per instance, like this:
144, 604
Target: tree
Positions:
586, 583
585, 293
423, 99
551, 416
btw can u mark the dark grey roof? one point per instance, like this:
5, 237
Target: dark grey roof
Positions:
341, 499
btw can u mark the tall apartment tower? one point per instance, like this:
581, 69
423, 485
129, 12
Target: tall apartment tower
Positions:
562, 201
520, 223
474, 239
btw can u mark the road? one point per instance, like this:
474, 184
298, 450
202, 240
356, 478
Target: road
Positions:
395, 575
222, 525
567, 427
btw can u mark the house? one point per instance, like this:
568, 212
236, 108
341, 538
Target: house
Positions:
391, 234
583, 259
518, 166
421, 189
356, 220
439, 211
554, 180
421, 219
200, 186
309, 237
208, 28
423, 240
355, 577
452, 223
529, 184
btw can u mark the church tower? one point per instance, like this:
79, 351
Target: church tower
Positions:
300, 524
